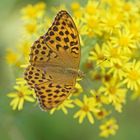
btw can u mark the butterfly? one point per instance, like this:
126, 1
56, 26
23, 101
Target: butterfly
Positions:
54, 62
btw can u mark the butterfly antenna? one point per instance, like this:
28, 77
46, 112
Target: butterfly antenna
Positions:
105, 59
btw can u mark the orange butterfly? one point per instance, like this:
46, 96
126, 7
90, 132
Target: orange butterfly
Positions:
54, 62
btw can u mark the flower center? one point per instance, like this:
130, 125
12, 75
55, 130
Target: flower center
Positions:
30, 28
133, 75
101, 113
98, 99
124, 41
107, 77
85, 108
127, 7
109, 127
92, 23
20, 94
111, 23
91, 9
112, 90
117, 66
30, 11
114, 53
75, 6
101, 56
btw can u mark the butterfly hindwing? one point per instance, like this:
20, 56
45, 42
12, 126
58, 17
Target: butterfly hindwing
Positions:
56, 94
51, 86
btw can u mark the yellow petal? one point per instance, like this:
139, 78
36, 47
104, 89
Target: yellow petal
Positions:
78, 103
90, 117
77, 114
12, 95
64, 110
52, 111
30, 99
70, 105
15, 103
20, 105
82, 116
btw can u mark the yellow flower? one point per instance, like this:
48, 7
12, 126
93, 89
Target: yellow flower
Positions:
78, 14
77, 10
24, 48
99, 98
135, 54
132, 77
110, 22
77, 90
114, 54
92, 7
40, 6
31, 28
113, 5
93, 25
117, 69
87, 107
22, 94
12, 57
82, 29
96, 76
134, 29
129, 8
98, 55
101, 114
75, 6
68, 103
20, 81
109, 128
115, 93
136, 94
33, 11
124, 40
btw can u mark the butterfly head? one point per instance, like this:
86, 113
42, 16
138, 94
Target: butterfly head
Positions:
81, 74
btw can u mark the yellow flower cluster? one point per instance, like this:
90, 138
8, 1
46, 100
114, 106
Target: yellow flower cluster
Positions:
110, 41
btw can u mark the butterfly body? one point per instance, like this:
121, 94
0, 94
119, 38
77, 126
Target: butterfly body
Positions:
54, 62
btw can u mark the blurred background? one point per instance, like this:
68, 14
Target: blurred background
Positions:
33, 124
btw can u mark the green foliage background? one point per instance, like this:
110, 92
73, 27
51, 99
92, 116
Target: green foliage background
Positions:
32, 123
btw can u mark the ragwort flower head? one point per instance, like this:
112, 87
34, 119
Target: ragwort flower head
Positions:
22, 94
87, 108
109, 128
115, 93
33, 11
132, 77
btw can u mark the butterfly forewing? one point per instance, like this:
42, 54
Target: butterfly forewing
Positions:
50, 58
63, 38
34, 75
41, 54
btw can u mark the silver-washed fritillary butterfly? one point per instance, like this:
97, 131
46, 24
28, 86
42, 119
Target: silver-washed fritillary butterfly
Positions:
54, 62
